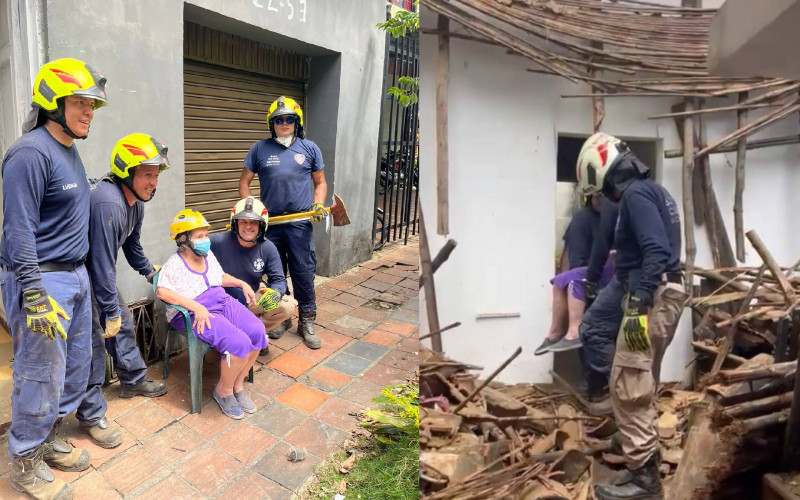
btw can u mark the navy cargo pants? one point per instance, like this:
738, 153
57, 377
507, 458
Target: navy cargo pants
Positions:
598, 332
295, 244
50, 376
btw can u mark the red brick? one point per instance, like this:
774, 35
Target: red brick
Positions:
401, 360
326, 292
116, 405
258, 399
210, 422
92, 485
100, 455
352, 333
350, 300
332, 339
313, 355
179, 365
327, 380
396, 271
399, 327
70, 477
361, 392
372, 264
173, 487
156, 372
385, 375
410, 344
132, 469
146, 420
338, 284
374, 284
210, 469
339, 412
406, 267
317, 437
274, 352
388, 278
254, 486
371, 315
352, 278
291, 364
380, 337
245, 442
363, 292
177, 401
173, 443
415, 335
362, 272
271, 383
410, 284
287, 342
324, 318
334, 307
303, 398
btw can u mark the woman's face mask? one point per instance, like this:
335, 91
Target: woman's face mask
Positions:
201, 247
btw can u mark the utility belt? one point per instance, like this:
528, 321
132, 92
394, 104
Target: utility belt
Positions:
51, 267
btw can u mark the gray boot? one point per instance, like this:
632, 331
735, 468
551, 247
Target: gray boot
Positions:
62, 456
305, 328
103, 435
643, 483
279, 330
29, 474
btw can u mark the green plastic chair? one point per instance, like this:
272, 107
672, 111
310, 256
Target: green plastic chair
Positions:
197, 351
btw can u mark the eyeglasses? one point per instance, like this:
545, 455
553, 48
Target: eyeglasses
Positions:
288, 120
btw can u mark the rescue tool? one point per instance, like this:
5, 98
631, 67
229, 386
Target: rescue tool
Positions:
338, 215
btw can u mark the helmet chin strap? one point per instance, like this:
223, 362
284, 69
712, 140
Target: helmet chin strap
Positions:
58, 117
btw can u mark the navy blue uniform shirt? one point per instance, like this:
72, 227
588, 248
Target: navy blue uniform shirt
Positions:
45, 206
249, 264
579, 236
285, 174
113, 224
603, 239
648, 237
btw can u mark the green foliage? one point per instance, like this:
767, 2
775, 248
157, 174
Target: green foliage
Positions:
402, 22
398, 25
398, 414
406, 93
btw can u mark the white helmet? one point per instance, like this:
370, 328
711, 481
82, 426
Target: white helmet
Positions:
594, 161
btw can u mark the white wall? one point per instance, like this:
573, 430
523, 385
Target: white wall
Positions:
503, 127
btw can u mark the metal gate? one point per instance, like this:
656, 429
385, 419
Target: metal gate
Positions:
397, 179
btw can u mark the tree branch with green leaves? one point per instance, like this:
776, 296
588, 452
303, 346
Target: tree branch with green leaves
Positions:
400, 24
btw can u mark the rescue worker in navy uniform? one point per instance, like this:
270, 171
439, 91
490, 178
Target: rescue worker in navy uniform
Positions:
245, 253
45, 284
290, 171
648, 242
115, 221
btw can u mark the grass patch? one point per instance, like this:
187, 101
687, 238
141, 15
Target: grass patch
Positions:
382, 471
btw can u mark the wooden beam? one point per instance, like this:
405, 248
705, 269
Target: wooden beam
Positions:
430, 290
688, 202
754, 144
741, 153
773, 266
442, 153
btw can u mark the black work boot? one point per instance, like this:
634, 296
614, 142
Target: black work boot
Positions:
147, 387
279, 330
29, 474
643, 483
305, 328
57, 453
103, 435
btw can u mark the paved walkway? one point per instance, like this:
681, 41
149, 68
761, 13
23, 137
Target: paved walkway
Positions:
368, 321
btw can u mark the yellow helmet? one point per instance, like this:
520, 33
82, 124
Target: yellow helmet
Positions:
64, 77
187, 220
285, 106
250, 208
133, 150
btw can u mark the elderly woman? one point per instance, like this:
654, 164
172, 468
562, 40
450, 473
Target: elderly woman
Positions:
193, 279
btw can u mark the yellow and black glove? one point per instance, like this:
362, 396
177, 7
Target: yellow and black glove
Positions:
321, 213
113, 325
634, 325
270, 300
42, 313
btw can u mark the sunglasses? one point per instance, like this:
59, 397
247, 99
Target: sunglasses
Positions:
288, 120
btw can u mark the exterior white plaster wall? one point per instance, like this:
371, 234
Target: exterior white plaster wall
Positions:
502, 136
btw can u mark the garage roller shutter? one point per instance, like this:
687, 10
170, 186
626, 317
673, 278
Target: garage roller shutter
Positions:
224, 114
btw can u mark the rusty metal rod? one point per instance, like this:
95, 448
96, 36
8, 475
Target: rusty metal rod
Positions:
486, 382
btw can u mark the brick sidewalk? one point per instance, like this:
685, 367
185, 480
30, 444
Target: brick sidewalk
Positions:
368, 321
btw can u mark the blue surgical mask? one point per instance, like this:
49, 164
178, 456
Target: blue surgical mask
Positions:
201, 247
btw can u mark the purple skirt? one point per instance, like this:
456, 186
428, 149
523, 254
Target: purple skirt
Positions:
234, 329
573, 279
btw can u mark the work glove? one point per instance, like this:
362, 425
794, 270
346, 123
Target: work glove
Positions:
269, 300
321, 213
42, 313
590, 291
156, 269
634, 325
113, 323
